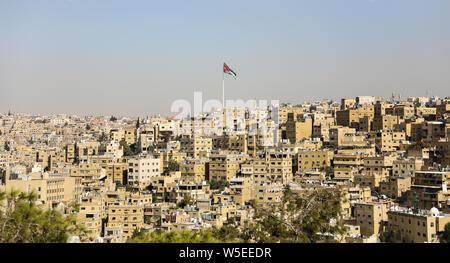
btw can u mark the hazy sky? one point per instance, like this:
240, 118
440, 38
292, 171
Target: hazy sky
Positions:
136, 57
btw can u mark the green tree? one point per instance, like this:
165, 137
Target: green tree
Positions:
88, 127
417, 146
218, 185
187, 200
22, 221
113, 119
175, 236
446, 235
173, 166
75, 206
126, 148
7, 148
227, 232
138, 123
130, 188
329, 171
299, 217
135, 149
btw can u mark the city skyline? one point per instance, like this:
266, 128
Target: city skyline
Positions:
117, 58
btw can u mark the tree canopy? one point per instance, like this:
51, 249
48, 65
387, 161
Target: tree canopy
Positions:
22, 221
218, 185
173, 166
229, 233
446, 235
309, 217
417, 146
175, 236
187, 200
126, 148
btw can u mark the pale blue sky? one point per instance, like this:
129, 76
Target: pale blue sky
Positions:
136, 57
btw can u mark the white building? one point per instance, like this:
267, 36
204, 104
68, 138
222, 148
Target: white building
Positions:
142, 169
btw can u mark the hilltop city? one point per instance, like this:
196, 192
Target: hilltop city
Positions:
360, 170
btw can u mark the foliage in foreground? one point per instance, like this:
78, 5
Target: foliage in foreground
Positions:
309, 217
312, 216
446, 235
175, 236
22, 221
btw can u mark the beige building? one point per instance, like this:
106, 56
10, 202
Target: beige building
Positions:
196, 147
298, 130
193, 170
50, 189
241, 190
371, 217
395, 186
405, 226
223, 167
92, 214
347, 166
380, 165
339, 134
88, 172
309, 160
387, 141
268, 194
406, 167
429, 189
385, 122
127, 217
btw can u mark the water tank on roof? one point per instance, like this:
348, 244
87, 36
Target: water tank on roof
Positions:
434, 212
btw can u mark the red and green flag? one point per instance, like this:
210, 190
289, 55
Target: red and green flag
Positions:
228, 70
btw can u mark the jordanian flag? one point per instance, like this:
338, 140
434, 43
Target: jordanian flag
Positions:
228, 70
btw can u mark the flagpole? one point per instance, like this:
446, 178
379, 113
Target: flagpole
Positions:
223, 89
223, 100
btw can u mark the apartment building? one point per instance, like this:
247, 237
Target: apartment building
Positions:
395, 186
141, 170
424, 226
309, 160
50, 189
298, 130
223, 167
406, 167
196, 147
347, 166
127, 217
193, 170
88, 172
279, 167
268, 194
92, 213
371, 217
429, 189
387, 141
